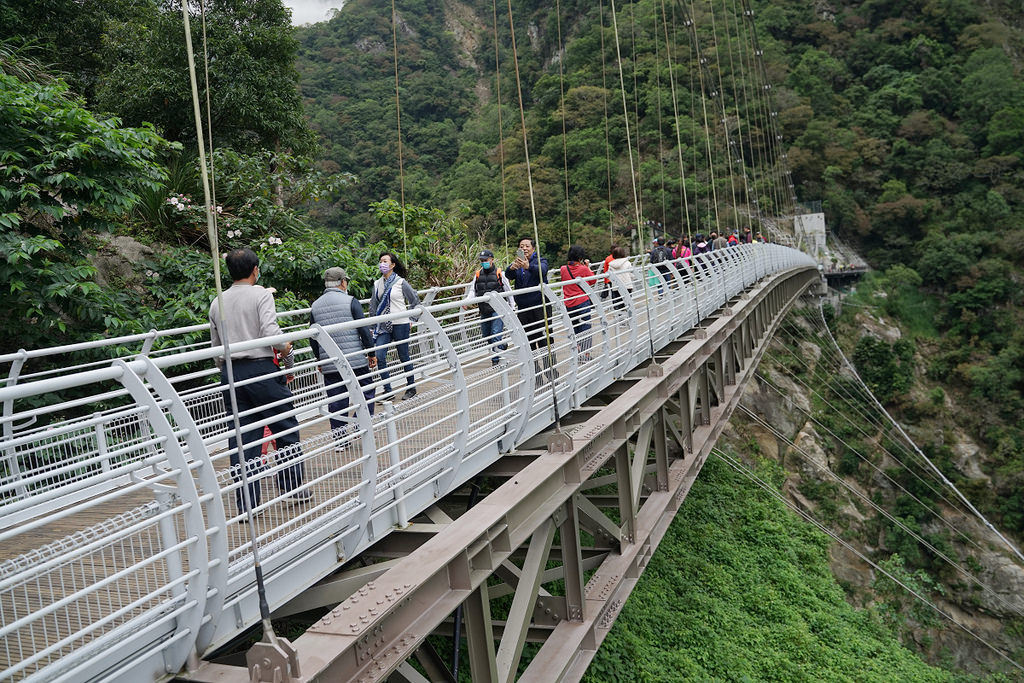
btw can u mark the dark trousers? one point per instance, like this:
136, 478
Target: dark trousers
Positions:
255, 396
580, 317
532, 319
398, 333
339, 392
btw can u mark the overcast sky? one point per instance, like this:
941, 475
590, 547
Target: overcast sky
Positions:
309, 11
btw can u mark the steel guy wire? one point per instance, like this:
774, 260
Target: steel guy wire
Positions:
745, 471
878, 508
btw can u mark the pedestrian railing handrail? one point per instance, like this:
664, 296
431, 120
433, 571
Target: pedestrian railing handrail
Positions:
124, 548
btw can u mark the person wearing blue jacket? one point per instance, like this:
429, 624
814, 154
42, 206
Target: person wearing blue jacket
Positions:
525, 272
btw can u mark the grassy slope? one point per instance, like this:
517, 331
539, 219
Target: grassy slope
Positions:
740, 589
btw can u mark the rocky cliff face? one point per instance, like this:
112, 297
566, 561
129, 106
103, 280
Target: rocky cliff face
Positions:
802, 412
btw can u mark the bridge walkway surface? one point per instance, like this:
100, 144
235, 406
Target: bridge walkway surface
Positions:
123, 555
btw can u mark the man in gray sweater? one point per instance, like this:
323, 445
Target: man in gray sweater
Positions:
335, 306
249, 314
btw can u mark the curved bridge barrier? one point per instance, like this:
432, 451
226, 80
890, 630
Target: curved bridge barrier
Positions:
122, 550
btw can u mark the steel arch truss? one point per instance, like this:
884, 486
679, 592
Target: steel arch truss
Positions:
550, 555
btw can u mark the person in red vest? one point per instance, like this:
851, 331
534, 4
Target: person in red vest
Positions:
576, 300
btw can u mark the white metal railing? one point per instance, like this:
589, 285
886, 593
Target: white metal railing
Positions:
122, 546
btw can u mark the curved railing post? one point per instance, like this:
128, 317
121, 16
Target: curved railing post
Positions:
365, 421
462, 402
524, 354
194, 591
597, 317
569, 380
206, 479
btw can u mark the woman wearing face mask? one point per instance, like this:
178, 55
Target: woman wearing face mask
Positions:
393, 294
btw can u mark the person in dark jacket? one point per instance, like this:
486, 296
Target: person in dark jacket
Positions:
527, 271
335, 306
489, 278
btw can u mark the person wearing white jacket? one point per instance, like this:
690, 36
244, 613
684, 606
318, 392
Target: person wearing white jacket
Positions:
621, 274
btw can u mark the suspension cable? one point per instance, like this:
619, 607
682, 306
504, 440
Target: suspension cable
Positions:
501, 128
661, 136
722, 107
913, 445
701, 63
818, 424
565, 147
876, 507
536, 231
632, 174
745, 471
636, 115
675, 113
398, 114
752, 108
851, 401
736, 90
264, 607
607, 141
209, 114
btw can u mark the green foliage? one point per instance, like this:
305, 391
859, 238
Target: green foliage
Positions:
64, 172
739, 589
252, 78
435, 246
898, 608
887, 369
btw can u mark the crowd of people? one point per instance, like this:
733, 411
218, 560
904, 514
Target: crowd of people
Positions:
262, 397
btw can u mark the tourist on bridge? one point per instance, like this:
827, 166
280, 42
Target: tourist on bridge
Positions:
659, 257
489, 278
733, 240
607, 284
529, 270
748, 236
335, 306
718, 241
621, 274
576, 300
249, 314
700, 245
682, 251
393, 294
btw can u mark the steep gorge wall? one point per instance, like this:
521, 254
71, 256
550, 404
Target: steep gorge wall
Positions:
788, 419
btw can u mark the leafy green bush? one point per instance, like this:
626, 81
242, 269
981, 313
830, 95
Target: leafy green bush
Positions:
739, 589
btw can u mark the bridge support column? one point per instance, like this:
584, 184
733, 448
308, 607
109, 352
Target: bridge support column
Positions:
518, 623
572, 560
480, 635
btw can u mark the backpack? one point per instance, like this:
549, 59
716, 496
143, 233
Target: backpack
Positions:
657, 254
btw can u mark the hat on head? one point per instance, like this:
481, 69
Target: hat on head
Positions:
334, 276
486, 254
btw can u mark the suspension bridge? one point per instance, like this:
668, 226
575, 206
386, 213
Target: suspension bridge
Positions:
516, 499
124, 556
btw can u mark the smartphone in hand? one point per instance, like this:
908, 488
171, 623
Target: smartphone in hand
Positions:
520, 255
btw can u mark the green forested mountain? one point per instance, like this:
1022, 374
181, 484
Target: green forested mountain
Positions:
906, 119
